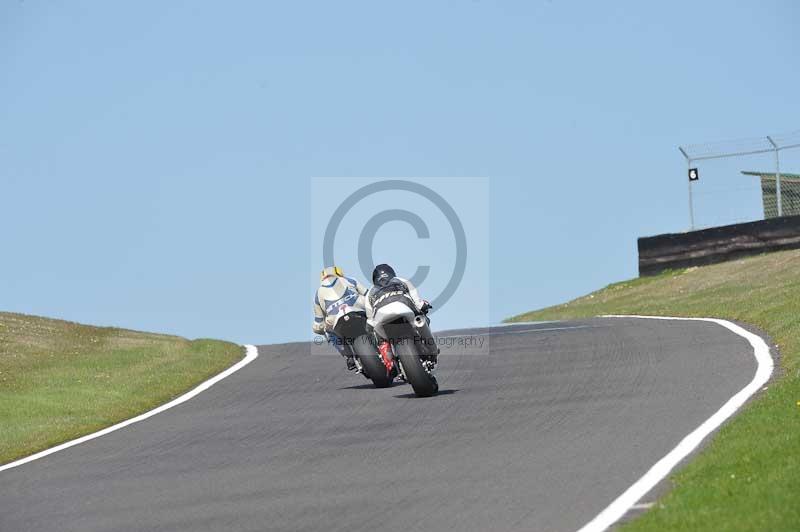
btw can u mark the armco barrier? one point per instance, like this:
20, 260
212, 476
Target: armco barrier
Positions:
717, 244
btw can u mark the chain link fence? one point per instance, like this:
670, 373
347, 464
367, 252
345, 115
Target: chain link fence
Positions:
743, 180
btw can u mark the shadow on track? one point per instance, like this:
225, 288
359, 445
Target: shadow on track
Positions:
367, 386
414, 396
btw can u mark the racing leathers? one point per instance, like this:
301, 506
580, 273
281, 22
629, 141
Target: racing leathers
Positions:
333, 292
384, 293
374, 292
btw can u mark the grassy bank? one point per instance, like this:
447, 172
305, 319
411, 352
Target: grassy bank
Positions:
60, 380
749, 477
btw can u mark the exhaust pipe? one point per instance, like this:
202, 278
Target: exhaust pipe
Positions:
426, 339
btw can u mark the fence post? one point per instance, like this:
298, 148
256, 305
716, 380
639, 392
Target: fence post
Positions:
777, 176
691, 202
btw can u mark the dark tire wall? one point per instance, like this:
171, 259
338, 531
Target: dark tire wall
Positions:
368, 354
424, 384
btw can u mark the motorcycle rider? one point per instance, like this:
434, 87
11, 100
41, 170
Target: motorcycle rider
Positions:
385, 280
335, 290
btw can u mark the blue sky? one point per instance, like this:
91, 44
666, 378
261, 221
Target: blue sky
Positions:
156, 158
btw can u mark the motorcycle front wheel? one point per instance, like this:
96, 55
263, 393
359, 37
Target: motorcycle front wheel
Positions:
373, 367
423, 383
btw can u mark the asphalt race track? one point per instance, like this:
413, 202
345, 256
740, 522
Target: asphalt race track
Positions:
540, 434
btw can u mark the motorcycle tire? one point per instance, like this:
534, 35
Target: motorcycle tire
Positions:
373, 367
423, 383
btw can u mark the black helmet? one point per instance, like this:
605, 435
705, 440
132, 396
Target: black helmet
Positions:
382, 274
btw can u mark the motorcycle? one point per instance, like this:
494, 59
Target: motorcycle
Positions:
411, 348
350, 325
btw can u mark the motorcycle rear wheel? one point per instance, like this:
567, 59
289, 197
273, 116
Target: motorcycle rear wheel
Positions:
373, 367
423, 383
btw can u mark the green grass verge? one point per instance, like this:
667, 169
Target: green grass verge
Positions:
61, 380
749, 477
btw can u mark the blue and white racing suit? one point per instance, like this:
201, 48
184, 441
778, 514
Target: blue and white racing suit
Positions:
333, 292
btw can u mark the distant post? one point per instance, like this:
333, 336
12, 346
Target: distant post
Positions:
691, 202
777, 175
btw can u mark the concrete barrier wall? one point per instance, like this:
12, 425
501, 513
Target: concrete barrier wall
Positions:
717, 244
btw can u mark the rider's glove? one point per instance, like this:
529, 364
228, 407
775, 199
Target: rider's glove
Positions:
426, 307
330, 320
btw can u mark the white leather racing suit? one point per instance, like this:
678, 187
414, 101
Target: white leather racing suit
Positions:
333, 292
412, 292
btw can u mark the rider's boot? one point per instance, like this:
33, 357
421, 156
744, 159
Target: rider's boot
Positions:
347, 352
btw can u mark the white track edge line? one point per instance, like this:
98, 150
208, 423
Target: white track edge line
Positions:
614, 511
251, 353
496, 333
